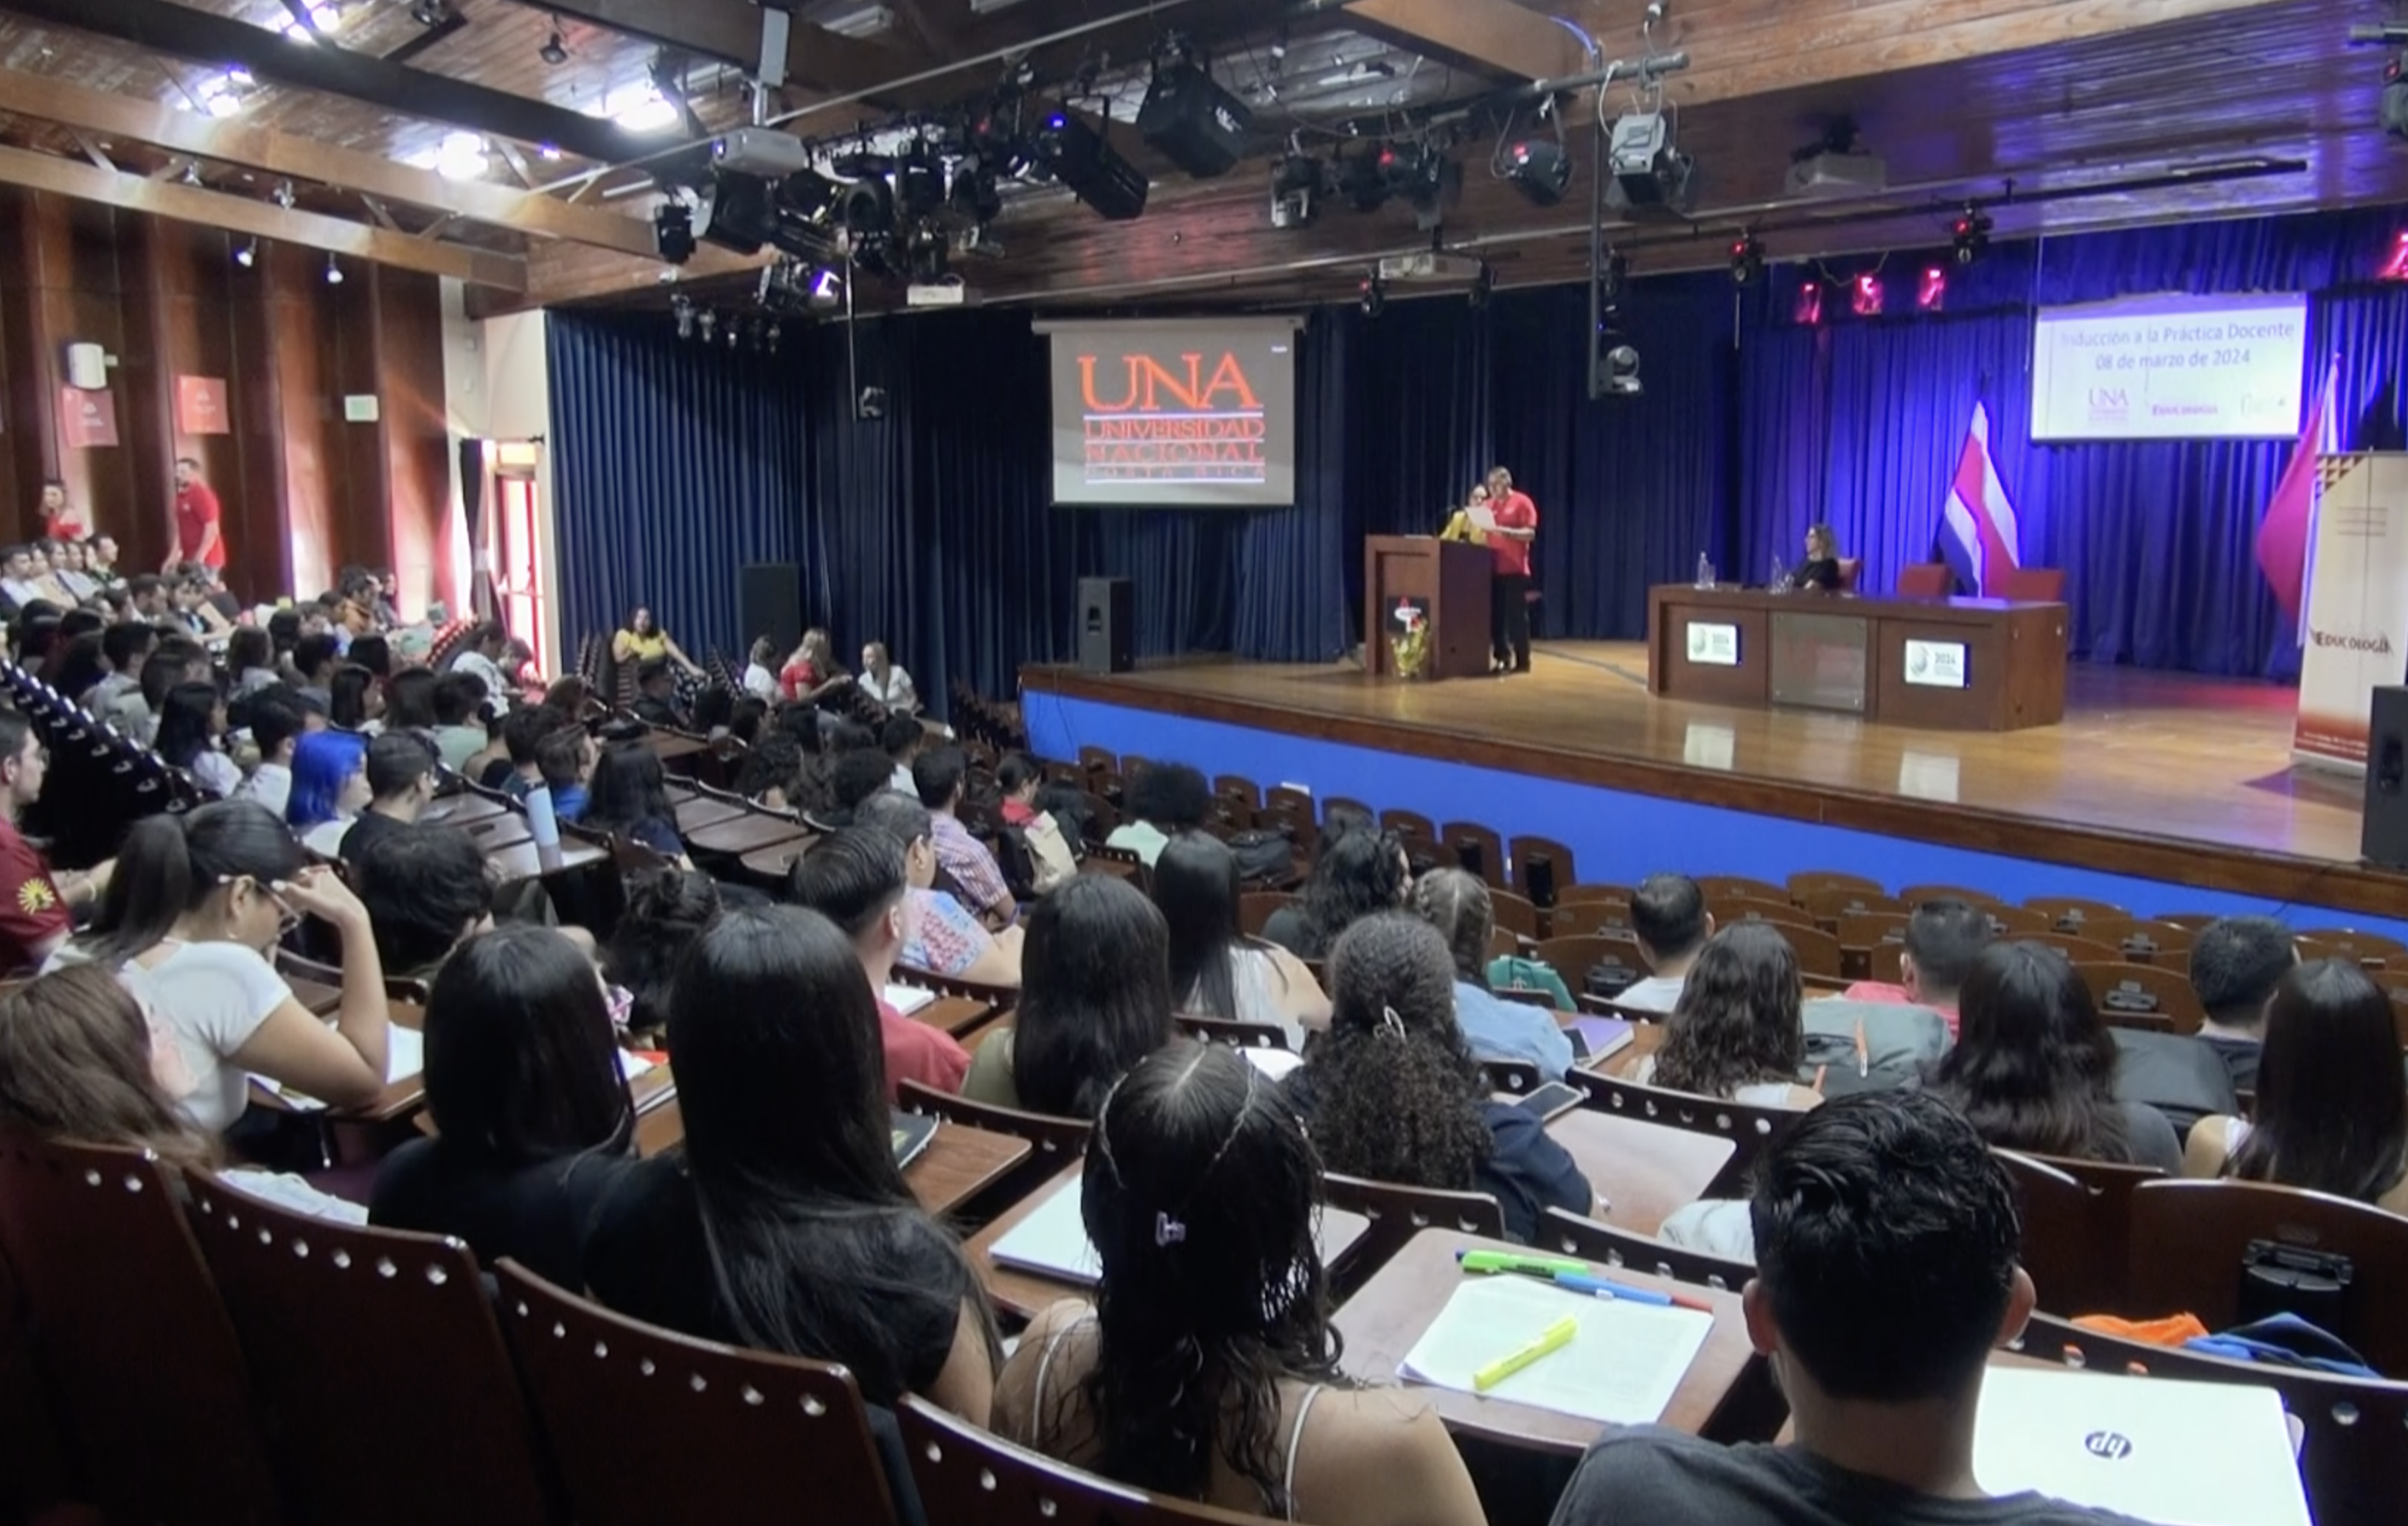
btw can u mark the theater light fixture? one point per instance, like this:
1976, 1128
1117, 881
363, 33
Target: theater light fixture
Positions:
673, 231
1746, 260
1650, 175
333, 272
1298, 182
1373, 295
1090, 168
1865, 297
248, 255
1619, 364
1931, 291
1188, 118
1365, 176
2395, 95
681, 308
2395, 263
1539, 168
1970, 234
1807, 311
555, 52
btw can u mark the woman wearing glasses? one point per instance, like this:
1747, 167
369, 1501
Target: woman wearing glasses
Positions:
190, 922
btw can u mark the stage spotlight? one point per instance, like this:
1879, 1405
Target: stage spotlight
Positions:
2395, 265
1807, 311
770, 336
827, 290
1090, 168
707, 325
733, 212
1373, 293
248, 255
870, 405
681, 308
1649, 174
1970, 234
994, 136
333, 272
1865, 296
1190, 119
673, 232
1364, 175
1746, 260
1539, 169
1433, 183
918, 180
1297, 183
431, 13
554, 51
1620, 365
1932, 291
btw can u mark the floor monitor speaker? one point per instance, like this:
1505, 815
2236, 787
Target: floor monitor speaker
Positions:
2383, 838
770, 598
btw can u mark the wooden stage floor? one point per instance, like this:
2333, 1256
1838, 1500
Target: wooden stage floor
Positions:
2166, 775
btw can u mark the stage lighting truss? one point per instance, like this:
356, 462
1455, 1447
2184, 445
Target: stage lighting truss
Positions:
1373, 294
1969, 236
1746, 260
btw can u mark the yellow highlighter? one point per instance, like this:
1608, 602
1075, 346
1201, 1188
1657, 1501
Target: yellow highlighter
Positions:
1554, 1338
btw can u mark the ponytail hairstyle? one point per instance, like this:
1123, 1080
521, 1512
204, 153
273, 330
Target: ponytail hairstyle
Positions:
1457, 904
170, 866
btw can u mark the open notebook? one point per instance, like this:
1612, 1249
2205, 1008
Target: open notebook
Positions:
908, 999
1622, 1368
2158, 1448
405, 1055
1053, 1240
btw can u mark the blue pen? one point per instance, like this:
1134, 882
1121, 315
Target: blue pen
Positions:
1599, 1287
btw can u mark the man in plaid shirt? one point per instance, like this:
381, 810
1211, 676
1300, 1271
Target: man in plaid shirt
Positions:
976, 877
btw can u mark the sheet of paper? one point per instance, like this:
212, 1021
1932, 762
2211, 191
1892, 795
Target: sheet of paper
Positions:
1053, 1240
908, 999
405, 1055
1621, 1369
632, 1064
1482, 515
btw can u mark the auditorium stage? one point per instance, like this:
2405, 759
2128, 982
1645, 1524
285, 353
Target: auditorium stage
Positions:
2166, 776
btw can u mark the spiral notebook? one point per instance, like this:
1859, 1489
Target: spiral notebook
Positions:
1053, 1240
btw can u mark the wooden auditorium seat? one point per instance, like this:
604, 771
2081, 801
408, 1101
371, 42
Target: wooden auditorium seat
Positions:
2078, 1237
1539, 865
1514, 913
1478, 849
968, 1474
1574, 1235
1573, 958
2081, 951
1345, 803
1914, 895
1807, 882
1925, 580
2122, 989
2161, 944
378, 1361
1567, 894
1851, 569
146, 1382
1590, 919
2189, 1237
1254, 909
648, 1426
1229, 1031
1751, 1130
1398, 1213
1727, 910
2072, 913
1511, 1077
1405, 824
1745, 887
1054, 1142
2371, 949
1831, 907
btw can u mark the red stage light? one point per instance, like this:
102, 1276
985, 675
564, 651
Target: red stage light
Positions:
2395, 269
1809, 310
1931, 292
1868, 298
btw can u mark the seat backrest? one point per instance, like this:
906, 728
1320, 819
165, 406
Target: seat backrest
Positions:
1751, 1130
2070, 912
2188, 1238
2122, 989
1255, 909
1540, 864
1851, 569
1746, 886
1831, 904
2077, 1240
1000, 998
1229, 1031
2143, 942
1477, 848
1514, 913
371, 1345
967, 1475
1574, 1235
1818, 951
1925, 580
1914, 895
1515, 1078
724, 1430
1567, 894
1057, 1141
1407, 823
1572, 957
1398, 1213
1589, 918
2073, 946
1777, 909
2372, 949
146, 1382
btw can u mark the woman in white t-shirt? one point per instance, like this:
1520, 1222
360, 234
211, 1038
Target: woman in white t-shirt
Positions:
886, 683
761, 671
204, 899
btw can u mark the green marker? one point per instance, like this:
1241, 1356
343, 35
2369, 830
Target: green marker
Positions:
1509, 1261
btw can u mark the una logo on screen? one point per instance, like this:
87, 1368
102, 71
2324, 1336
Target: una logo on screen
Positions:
2109, 402
1169, 422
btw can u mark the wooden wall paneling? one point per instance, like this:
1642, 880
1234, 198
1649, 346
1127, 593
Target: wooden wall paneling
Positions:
358, 517
79, 301
259, 551
308, 408
416, 433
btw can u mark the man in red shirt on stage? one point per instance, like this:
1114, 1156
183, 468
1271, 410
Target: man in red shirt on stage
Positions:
1509, 605
198, 535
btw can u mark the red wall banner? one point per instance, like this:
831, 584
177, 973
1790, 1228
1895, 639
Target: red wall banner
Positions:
201, 405
87, 420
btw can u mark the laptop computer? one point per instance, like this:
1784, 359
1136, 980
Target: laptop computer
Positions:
2160, 1448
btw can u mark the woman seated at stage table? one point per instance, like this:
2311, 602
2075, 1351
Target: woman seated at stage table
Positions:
1206, 1368
1735, 1031
1360, 870
1458, 906
2331, 1115
2034, 1066
1821, 568
784, 1224
641, 640
1216, 971
1094, 999
1392, 1094
533, 1118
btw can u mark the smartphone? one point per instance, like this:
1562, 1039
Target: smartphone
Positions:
1552, 1100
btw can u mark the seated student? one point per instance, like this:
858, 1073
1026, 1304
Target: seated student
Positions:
1206, 1368
315, 660
330, 789
2034, 1068
899, 737
783, 1225
812, 672
1735, 1031
522, 730
484, 656
945, 939
667, 909
401, 783
940, 778
459, 733
761, 671
191, 726
1216, 971
276, 722
425, 888
1355, 875
2331, 1115
137, 714
355, 700
748, 717
82, 1063
1457, 904
1668, 917
1166, 800
410, 700
78, 667
853, 877
566, 758
886, 683
126, 646
629, 798
1392, 1094
656, 702
852, 778
372, 653
249, 662
1095, 998
1886, 1244
532, 1118
194, 910
1942, 939
713, 714
1052, 855
771, 771
2236, 962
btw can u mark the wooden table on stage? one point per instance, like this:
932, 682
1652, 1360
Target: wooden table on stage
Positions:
1383, 1321
1973, 664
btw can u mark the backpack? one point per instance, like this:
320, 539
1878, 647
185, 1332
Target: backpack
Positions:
1049, 859
1900, 1042
1262, 855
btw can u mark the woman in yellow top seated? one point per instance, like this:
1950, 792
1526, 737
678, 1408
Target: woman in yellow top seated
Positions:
1460, 526
642, 640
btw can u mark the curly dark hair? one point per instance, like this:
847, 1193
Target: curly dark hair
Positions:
1396, 1101
1737, 1022
1173, 797
1358, 873
1197, 1329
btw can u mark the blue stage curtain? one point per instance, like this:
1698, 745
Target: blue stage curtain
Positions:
672, 467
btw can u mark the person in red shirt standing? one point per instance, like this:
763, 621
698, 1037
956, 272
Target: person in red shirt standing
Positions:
35, 907
1509, 543
60, 521
198, 535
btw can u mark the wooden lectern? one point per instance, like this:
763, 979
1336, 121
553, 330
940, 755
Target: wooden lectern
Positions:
1449, 580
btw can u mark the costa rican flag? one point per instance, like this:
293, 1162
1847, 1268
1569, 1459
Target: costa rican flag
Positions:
1978, 532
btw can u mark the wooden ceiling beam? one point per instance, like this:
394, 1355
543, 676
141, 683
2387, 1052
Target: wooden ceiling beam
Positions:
1485, 36
730, 31
239, 214
234, 142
